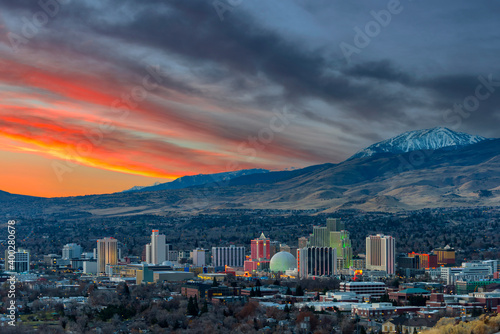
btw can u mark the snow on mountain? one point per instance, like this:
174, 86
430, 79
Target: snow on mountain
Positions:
137, 188
428, 139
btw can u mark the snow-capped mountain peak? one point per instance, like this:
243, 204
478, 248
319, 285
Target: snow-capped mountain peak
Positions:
428, 139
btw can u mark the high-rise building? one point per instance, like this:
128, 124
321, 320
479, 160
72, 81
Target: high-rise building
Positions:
260, 254
260, 248
302, 242
316, 261
156, 253
341, 241
336, 236
445, 256
173, 256
380, 253
170, 254
335, 224
273, 248
18, 262
71, 251
198, 256
149, 258
107, 253
228, 256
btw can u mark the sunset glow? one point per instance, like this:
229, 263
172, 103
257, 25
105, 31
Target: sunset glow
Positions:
102, 104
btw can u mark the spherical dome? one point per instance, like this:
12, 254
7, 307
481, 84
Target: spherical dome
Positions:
282, 261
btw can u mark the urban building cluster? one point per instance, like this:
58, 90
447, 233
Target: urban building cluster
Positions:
365, 281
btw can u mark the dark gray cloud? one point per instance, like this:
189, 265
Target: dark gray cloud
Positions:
426, 60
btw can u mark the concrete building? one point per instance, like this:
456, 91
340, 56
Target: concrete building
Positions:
51, 259
359, 263
367, 289
90, 267
228, 256
149, 258
18, 262
107, 253
156, 251
152, 274
302, 242
173, 256
446, 255
469, 271
183, 256
71, 251
198, 256
316, 261
380, 253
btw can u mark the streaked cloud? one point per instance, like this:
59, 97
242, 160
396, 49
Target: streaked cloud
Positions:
186, 93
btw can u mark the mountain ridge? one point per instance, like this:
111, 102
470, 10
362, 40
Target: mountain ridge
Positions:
425, 139
197, 180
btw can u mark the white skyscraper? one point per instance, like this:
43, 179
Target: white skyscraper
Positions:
148, 254
158, 250
380, 253
71, 251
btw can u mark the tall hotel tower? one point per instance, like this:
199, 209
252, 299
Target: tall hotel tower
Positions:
156, 251
380, 253
107, 253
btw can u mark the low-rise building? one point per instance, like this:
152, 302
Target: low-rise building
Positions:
369, 289
404, 295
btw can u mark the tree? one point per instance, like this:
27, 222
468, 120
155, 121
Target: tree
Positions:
385, 298
204, 308
215, 283
258, 283
192, 307
299, 291
288, 292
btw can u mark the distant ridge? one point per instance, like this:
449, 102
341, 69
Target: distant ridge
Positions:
428, 139
197, 180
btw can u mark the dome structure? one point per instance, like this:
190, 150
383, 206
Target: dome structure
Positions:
282, 261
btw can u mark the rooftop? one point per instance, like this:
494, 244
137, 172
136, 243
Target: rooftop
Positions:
414, 291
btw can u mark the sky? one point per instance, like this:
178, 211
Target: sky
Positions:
100, 96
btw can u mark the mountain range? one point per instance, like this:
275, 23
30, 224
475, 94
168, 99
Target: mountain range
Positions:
418, 169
